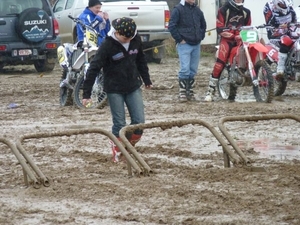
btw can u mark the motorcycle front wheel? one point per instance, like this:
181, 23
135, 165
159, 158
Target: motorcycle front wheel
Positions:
279, 83
264, 91
65, 93
98, 96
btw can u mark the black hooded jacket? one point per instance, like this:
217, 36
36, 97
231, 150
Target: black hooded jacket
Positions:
124, 71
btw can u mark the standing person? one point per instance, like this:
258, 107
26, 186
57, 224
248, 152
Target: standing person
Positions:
93, 16
231, 14
187, 26
124, 69
278, 14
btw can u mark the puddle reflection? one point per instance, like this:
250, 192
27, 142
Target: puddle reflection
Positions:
272, 148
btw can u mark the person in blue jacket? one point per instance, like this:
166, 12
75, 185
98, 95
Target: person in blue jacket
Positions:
93, 16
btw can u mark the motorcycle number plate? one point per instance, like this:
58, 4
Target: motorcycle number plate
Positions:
92, 38
250, 36
25, 52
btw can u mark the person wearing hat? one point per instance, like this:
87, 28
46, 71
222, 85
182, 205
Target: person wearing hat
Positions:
125, 69
93, 16
187, 26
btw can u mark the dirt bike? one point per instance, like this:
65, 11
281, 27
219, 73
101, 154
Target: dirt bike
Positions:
98, 95
292, 63
74, 60
246, 67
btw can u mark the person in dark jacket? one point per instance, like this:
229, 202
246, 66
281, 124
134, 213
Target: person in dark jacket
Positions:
231, 14
93, 16
187, 26
125, 69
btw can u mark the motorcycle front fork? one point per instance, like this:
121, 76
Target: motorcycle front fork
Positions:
66, 81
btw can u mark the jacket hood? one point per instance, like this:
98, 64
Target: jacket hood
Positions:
182, 2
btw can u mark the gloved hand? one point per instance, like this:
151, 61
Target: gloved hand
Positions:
87, 102
294, 32
226, 34
283, 26
237, 38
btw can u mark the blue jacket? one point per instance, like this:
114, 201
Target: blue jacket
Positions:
187, 23
89, 18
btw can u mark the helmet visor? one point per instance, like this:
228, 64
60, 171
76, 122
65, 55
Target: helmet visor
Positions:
282, 5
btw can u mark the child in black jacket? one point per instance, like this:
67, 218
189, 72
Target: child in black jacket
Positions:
125, 69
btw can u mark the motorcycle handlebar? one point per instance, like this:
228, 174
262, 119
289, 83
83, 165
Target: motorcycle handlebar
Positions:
284, 26
72, 18
244, 27
260, 27
84, 26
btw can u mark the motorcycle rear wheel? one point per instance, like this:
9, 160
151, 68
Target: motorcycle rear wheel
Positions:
224, 85
264, 92
98, 100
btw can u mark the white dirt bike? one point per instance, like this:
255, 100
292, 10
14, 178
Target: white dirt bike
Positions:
74, 60
292, 63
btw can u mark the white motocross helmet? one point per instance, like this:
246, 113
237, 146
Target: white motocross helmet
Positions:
282, 6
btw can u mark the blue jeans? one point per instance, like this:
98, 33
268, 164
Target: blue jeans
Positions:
189, 57
135, 106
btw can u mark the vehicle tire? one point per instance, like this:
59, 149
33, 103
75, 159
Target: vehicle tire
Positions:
279, 86
98, 96
279, 83
77, 96
28, 30
150, 53
43, 65
264, 92
157, 61
232, 92
65, 93
65, 96
224, 86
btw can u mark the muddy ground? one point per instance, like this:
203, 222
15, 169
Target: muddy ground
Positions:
188, 185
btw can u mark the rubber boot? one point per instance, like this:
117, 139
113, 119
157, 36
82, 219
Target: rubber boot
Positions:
116, 153
281, 64
190, 91
182, 90
135, 138
211, 89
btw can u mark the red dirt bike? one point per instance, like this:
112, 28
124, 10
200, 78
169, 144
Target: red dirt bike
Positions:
292, 63
246, 67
